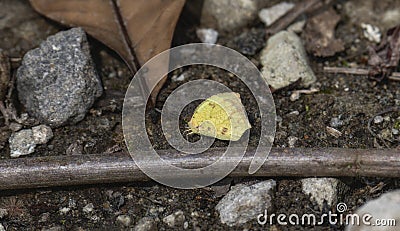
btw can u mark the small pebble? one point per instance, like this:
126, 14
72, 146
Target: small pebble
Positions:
293, 113
3, 213
336, 122
21, 143
88, 208
378, 119
207, 35
145, 224
292, 141
395, 131
2, 227
178, 78
371, 32
323, 190
42, 134
175, 219
44, 217
24, 141
243, 202
64, 210
284, 61
124, 220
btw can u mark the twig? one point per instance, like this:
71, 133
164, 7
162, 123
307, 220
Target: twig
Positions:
357, 71
96, 169
299, 9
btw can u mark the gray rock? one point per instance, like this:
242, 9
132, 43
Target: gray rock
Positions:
145, 224
386, 207
57, 82
336, 122
378, 119
271, 14
229, 14
2, 227
42, 134
3, 213
24, 141
174, 220
54, 228
88, 208
207, 35
124, 220
244, 203
284, 61
292, 141
323, 189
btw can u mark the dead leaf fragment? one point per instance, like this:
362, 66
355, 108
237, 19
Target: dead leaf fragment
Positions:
319, 34
384, 58
137, 30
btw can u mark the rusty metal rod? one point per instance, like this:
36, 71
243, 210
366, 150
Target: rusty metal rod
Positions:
119, 167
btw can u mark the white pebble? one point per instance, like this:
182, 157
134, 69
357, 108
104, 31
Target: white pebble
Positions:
207, 35
88, 208
378, 119
371, 32
125, 220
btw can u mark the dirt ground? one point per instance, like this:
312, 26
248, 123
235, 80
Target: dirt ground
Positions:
354, 99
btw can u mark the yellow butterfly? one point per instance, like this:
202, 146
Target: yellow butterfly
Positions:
221, 116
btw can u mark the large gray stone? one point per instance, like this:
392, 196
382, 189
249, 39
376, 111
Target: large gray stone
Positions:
284, 61
244, 203
57, 82
386, 208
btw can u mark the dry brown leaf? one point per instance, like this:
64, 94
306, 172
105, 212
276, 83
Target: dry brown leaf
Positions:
137, 30
319, 34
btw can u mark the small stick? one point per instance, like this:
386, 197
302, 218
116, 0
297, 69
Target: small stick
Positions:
300, 8
64, 170
357, 71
